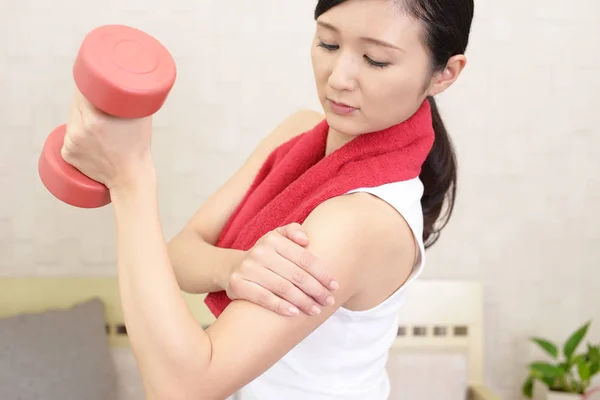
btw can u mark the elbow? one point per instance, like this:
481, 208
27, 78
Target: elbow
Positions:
183, 374
200, 389
181, 385
179, 393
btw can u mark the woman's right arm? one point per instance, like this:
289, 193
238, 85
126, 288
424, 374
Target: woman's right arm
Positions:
200, 266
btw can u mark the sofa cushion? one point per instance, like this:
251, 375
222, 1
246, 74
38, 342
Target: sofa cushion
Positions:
57, 354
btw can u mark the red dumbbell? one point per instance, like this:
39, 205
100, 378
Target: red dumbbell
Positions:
123, 72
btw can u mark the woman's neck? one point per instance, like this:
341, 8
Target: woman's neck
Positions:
336, 140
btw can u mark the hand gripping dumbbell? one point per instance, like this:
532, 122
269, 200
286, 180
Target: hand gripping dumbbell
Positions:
123, 72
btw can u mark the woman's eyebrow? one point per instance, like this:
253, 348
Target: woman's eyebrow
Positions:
378, 42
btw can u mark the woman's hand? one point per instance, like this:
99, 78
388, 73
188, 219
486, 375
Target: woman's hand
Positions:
113, 151
278, 273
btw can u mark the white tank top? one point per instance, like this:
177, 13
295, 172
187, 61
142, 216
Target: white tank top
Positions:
345, 358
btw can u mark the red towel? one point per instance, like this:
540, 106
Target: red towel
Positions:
297, 177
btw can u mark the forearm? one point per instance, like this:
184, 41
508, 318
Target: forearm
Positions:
199, 266
170, 347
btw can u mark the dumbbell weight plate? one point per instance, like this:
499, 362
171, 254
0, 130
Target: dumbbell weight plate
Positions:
64, 181
123, 72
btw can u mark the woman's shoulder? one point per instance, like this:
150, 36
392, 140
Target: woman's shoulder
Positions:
391, 230
374, 233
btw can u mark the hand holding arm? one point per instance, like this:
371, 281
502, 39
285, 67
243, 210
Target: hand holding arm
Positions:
278, 273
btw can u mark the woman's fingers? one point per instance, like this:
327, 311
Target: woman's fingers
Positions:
280, 274
280, 286
307, 262
301, 279
256, 294
294, 232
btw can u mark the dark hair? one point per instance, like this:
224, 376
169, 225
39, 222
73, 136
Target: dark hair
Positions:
447, 25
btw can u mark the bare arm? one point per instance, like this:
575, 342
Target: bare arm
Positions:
177, 359
199, 266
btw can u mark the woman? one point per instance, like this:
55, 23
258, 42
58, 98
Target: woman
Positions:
382, 59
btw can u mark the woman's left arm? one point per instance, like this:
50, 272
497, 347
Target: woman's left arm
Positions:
176, 358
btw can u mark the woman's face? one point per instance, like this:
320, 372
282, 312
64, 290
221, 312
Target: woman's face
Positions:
371, 68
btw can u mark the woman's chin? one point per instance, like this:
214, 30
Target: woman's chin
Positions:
347, 126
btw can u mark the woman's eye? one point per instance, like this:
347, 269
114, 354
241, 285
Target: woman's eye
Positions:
373, 63
376, 63
328, 46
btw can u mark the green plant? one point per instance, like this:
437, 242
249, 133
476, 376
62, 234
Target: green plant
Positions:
568, 372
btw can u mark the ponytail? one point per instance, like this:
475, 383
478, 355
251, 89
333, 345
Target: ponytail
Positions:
439, 179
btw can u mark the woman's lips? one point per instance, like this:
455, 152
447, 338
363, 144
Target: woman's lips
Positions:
340, 108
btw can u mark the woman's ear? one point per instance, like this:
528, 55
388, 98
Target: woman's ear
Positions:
444, 79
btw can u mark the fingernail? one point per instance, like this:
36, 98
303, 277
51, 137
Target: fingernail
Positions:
334, 285
315, 310
330, 300
293, 311
302, 235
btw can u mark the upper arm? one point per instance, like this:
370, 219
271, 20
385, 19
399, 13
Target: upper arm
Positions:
247, 339
212, 216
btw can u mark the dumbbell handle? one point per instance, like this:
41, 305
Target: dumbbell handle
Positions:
123, 72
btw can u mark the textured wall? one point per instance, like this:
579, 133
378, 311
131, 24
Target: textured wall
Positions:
522, 116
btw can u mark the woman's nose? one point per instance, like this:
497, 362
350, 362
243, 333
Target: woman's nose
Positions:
344, 73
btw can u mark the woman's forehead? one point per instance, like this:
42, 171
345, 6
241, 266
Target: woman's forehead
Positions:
382, 20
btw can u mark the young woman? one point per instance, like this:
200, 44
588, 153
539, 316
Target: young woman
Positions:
309, 320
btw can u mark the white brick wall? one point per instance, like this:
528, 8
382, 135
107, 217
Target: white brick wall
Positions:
524, 118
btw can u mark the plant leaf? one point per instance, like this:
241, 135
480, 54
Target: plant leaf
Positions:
593, 356
594, 368
550, 347
574, 340
527, 388
552, 383
574, 361
546, 370
583, 369
593, 353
